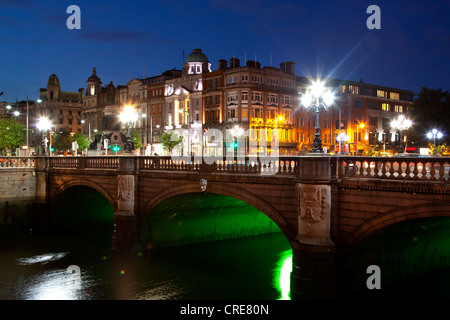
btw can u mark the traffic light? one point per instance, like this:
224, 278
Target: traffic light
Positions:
52, 149
116, 148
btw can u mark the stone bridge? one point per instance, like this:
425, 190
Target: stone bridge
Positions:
324, 205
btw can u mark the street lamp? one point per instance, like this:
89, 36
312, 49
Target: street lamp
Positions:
342, 138
434, 134
401, 124
128, 116
235, 133
43, 125
317, 97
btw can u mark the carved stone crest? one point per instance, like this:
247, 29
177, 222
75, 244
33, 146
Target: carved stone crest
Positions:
314, 205
314, 216
203, 184
126, 188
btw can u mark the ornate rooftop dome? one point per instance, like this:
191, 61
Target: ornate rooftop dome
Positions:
197, 56
53, 80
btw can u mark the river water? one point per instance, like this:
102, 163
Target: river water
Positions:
79, 267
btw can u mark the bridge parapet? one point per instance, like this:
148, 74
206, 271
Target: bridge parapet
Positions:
247, 165
17, 162
395, 168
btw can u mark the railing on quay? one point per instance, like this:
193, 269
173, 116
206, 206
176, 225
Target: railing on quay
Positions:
17, 162
395, 168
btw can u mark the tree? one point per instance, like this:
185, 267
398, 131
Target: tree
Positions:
170, 140
11, 134
430, 110
81, 140
136, 138
62, 140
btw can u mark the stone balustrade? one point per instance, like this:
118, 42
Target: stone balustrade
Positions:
395, 168
17, 162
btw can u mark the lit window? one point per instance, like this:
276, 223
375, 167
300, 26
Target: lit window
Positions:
395, 96
385, 107
353, 89
381, 94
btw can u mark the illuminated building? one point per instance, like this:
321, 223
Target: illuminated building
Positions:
62, 108
365, 111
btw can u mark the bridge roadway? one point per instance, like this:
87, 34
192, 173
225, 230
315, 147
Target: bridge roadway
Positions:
325, 205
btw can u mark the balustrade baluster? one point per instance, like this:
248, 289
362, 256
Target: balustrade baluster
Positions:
416, 171
433, 172
441, 171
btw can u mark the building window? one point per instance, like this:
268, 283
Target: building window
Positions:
244, 111
373, 105
232, 97
357, 104
353, 89
381, 94
373, 121
287, 100
272, 113
272, 98
385, 107
232, 113
244, 95
395, 96
257, 96
257, 112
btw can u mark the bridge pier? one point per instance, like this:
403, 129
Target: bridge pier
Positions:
314, 253
40, 205
124, 237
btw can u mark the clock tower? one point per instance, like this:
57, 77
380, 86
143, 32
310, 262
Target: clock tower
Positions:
93, 84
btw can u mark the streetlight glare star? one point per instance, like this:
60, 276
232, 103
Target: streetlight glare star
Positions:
43, 124
317, 88
129, 115
307, 99
328, 98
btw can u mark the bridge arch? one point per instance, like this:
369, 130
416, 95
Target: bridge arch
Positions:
85, 183
427, 210
225, 190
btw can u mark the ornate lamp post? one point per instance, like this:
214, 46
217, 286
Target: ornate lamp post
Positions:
128, 116
401, 124
342, 138
43, 125
317, 97
434, 134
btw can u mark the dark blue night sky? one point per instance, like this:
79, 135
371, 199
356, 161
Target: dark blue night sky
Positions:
124, 39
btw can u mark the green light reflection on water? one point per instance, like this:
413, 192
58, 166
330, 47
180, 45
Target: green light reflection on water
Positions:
283, 275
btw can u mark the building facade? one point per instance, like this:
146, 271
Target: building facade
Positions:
62, 108
216, 110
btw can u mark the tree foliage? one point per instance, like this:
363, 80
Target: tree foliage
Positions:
81, 140
11, 133
430, 110
136, 138
170, 140
62, 141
